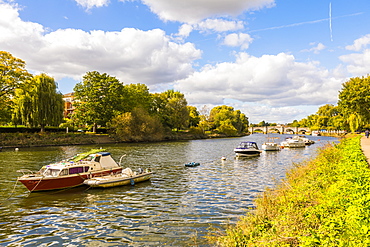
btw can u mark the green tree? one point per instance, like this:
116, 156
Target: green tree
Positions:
354, 101
39, 103
194, 117
171, 106
99, 98
224, 116
137, 125
136, 95
13, 74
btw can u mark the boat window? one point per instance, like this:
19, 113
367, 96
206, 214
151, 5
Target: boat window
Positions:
64, 172
52, 172
75, 170
97, 159
86, 168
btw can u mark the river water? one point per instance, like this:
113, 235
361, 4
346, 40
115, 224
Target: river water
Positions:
178, 207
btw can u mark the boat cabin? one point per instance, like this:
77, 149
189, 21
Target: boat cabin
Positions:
97, 161
247, 145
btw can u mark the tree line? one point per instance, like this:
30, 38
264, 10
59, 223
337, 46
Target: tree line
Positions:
352, 112
129, 111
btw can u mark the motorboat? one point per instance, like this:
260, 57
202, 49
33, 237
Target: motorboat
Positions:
71, 172
316, 133
306, 140
293, 142
270, 145
247, 148
125, 177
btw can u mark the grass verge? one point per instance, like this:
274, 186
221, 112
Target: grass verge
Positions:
322, 202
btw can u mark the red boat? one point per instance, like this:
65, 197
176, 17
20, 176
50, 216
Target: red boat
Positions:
70, 173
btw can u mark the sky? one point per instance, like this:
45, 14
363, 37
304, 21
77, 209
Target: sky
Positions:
275, 60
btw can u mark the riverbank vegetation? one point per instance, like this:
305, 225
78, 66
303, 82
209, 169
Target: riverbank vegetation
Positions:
129, 111
322, 202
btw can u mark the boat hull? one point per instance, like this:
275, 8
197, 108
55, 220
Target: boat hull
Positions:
116, 180
293, 144
39, 183
270, 147
249, 153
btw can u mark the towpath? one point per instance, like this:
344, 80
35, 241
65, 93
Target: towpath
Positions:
365, 146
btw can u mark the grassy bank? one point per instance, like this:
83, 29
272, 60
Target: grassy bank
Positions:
322, 202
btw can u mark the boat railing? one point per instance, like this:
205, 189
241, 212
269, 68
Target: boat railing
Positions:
27, 171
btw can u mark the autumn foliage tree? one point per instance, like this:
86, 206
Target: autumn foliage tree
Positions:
137, 125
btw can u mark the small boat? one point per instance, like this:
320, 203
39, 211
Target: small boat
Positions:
316, 133
247, 149
270, 145
192, 164
293, 142
306, 140
126, 177
71, 172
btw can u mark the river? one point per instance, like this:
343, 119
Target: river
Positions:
178, 207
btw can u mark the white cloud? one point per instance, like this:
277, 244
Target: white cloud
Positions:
274, 80
358, 64
185, 30
238, 39
360, 43
131, 55
316, 48
88, 4
256, 113
219, 25
193, 11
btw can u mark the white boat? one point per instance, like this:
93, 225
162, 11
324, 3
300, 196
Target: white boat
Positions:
247, 149
316, 133
306, 140
293, 142
126, 177
270, 145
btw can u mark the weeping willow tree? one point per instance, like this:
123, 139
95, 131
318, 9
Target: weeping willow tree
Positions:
354, 121
38, 103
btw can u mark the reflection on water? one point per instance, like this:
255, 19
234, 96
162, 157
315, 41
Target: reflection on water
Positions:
176, 208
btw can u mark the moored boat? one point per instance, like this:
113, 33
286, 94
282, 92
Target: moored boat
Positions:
306, 140
126, 177
71, 172
247, 148
270, 145
293, 142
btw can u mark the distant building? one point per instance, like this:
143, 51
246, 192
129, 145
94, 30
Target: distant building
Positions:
68, 104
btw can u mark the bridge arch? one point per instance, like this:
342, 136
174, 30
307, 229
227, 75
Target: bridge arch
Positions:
279, 129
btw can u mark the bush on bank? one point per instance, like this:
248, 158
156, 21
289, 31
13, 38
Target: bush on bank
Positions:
322, 202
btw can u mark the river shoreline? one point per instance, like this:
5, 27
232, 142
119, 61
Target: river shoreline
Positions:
27, 140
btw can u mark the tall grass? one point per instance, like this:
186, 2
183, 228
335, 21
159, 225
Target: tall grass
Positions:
322, 202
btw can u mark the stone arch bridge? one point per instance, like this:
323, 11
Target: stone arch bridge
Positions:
279, 129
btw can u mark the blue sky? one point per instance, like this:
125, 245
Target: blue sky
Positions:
274, 60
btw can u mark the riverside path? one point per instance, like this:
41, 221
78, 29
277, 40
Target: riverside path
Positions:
365, 146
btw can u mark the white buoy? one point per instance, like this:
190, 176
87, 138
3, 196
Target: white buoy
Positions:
223, 158
16, 149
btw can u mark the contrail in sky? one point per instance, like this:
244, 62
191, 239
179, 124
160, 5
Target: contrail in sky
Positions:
331, 30
303, 23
